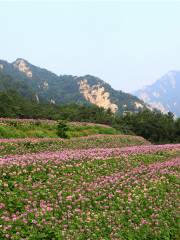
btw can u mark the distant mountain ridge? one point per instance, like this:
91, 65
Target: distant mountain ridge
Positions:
45, 86
164, 94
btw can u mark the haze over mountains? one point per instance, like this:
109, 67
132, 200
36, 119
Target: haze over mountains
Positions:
164, 94
46, 86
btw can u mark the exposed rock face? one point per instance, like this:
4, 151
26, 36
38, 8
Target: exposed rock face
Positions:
45, 85
97, 95
159, 106
53, 101
22, 65
1, 66
154, 103
37, 97
138, 105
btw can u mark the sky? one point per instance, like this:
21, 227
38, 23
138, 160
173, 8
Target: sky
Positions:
128, 44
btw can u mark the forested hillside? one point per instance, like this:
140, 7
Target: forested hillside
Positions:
66, 89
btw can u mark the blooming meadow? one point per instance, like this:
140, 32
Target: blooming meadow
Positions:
25, 145
107, 192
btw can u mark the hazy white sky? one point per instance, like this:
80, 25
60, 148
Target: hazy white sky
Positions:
126, 43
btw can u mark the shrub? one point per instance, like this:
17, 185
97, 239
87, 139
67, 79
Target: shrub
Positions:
62, 129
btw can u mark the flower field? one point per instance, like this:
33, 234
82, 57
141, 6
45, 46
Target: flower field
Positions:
108, 191
29, 145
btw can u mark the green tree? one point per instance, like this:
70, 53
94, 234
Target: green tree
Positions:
62, 129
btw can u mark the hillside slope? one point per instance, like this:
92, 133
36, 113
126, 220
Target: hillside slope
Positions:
63, 89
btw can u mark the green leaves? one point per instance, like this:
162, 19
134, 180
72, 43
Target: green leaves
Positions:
62, 129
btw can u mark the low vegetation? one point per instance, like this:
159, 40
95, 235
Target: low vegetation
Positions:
31, 145
128, 193
95, 184
14, 128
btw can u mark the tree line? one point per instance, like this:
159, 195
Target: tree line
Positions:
154, 126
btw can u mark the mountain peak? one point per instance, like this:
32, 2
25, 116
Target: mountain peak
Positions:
23, 66
21, 60
164, 93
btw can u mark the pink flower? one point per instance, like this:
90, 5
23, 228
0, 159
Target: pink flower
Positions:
2, 205
143, 221
69, 198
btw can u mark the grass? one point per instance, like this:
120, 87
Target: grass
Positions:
80, 131
38, 129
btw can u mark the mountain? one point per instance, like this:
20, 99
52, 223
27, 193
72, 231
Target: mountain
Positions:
45, 86
164, 93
